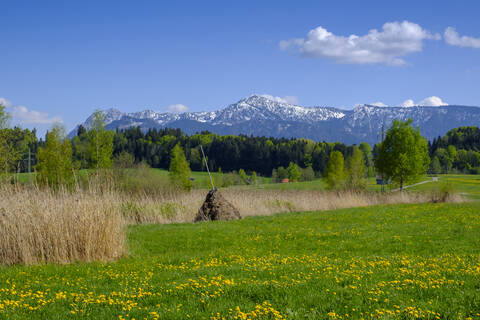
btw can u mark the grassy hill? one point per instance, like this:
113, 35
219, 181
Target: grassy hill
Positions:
396, 261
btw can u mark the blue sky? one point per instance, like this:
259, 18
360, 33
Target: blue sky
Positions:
61, 60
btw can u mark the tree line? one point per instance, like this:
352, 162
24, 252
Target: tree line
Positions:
457, 151
225, 153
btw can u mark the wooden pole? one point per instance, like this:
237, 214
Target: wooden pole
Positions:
206, 165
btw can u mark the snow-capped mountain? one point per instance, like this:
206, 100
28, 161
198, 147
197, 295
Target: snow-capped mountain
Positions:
261, 108
263, 116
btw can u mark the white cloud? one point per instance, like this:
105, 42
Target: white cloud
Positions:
5, 102
177, 108
286, 99
388, 46
22, 115
378, 104
432, 101
408, 103
291, 99
453, 38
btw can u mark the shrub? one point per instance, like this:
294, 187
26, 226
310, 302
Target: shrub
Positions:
253, 178
307, 174
445, 192
124, 160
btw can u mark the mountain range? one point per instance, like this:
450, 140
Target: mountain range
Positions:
263, 116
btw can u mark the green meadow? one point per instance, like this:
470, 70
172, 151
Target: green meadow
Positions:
384, 262
467, 185
464, 184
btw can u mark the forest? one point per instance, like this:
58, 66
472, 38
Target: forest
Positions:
456, 152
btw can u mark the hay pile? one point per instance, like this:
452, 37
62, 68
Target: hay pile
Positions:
216, 207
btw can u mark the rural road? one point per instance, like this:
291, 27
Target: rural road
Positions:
434, 179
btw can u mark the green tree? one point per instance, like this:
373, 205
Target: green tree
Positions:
334, 172
179, 172
452, 152
8, 154
367, 155
445, 161
243, 176
4, 147
196, 159
124, 160
274, 176
80, 149
4, 117
100, 143
403, 155
293, 172
435, 166
308, 174
355, 170
282, 173
55, 159
253, 178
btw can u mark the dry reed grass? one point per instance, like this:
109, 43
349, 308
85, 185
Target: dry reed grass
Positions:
40, 226
170, 207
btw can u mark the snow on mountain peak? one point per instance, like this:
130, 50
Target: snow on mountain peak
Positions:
268, 115
254, 107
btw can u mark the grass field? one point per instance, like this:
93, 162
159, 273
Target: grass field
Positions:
382, 262
467, 185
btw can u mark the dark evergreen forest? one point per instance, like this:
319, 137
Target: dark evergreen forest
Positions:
228, 153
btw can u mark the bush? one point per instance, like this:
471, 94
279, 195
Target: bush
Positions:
279, 174
124, 160
475, 170
307, 174
445, 192
253, 178
243, 176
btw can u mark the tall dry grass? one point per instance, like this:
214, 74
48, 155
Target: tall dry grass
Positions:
40, 226
171, 207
